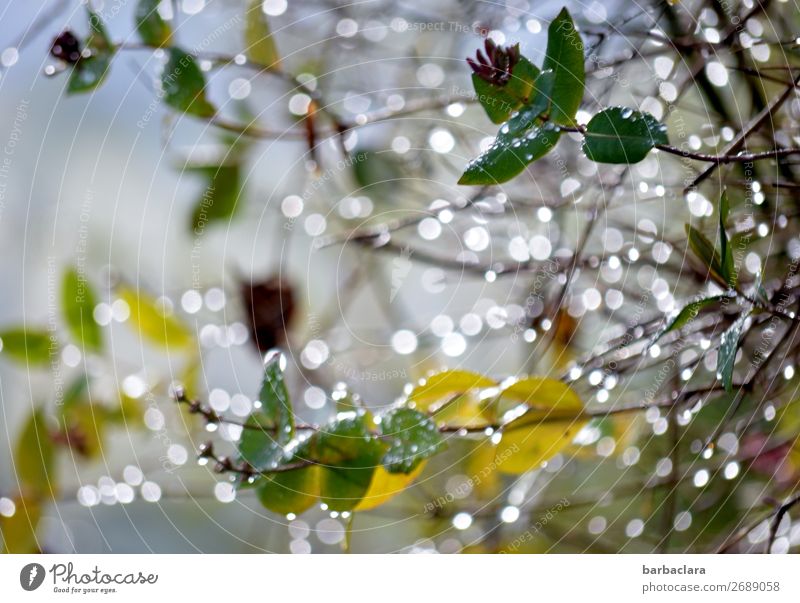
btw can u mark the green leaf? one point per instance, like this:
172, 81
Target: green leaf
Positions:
728, 346
509, 155
152, 323
78, 301
184, 84
520, 141
348, 453
555, 415
259, 42
620, 135
500, 102
219, 200
90, 71
260, 445
269, 430
564, 56
152, 28
292, 491
412, 436
440, 386
705, 252
688, 313
728, 271
274, 398
34, 456
28, 346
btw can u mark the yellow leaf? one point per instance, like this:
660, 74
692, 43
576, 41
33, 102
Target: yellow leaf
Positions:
34, 457
555, 415
152, 323
385, 486
480, 466
464, 411
447, 383
19, 531
258, 38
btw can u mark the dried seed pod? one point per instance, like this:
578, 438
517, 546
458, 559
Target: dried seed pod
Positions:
497, 64
66, 47
269, 306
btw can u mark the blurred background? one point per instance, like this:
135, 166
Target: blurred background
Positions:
360, 256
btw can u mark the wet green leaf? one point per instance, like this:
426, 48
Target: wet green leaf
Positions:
520, 141
728, 346
184, 84
412, 438
260, 444
727, 268
348, 453
274, 398
78, 301
705, 252
564, 56
152, 28
620, 135
510, 155
688, 313
88, 73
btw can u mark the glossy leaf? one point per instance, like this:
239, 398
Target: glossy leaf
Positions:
727, 268
555, 415
274, 397
33, 457
520, 141
688, 313
412, 437
184, 85
152, 323
89, 73
150, 25
271, 428
440, 386
290, 491
27, 345
78, 301
220, 198
620, 135
348, 454
385, 486
545, 394
260, 444
259, 42
500, 102
728, 346
705, 252
564, 56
